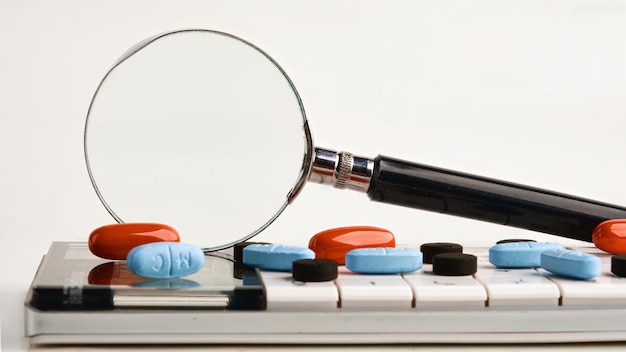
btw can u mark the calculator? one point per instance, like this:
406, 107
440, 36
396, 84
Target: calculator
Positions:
78, 298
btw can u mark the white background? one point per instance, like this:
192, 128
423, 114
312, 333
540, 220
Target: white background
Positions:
527, 91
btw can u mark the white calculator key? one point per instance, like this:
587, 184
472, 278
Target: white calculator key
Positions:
604, 290
283, 293
514, 287
517, 287
373, 292
436, 291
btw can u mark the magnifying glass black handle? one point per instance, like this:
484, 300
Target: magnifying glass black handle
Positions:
414, 185
425, 187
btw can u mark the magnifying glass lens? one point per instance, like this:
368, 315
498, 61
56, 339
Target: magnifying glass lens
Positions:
199, 130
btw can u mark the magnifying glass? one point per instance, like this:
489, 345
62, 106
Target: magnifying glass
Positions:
205, 132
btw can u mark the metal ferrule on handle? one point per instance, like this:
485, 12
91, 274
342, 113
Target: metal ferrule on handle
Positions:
341, 170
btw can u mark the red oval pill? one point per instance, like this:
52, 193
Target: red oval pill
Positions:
335, 243
116, 240
610, 236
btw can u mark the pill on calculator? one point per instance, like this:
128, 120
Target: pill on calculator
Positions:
519, 254
314, 270
570, 263
455, 264
383, 260
116, 240
165, 260
433, 248
337, 242
610, 236
274, 257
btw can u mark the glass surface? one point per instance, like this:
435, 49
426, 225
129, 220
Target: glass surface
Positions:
199, 130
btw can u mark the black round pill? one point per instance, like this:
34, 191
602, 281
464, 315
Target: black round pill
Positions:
314, 270
454, 264
618, 265
509, 240
430, 249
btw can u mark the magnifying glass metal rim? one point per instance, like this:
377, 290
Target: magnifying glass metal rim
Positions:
307, 161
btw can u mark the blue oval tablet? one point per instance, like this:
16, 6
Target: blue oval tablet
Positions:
519, 254
165, 260
572, 264
275, 257
383, 260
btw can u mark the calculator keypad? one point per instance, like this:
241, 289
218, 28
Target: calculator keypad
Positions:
490, 287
